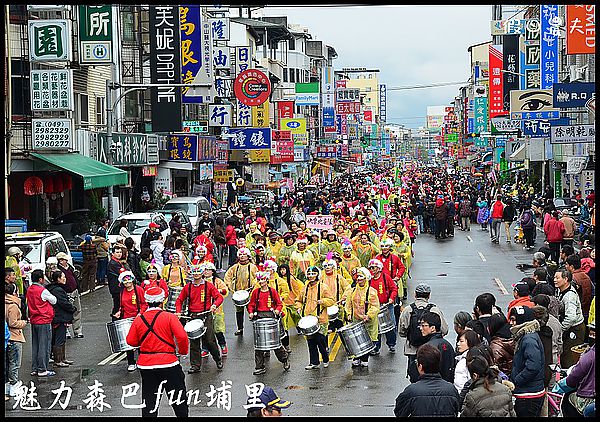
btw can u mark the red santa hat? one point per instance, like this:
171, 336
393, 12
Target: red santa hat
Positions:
123, 273
154, 294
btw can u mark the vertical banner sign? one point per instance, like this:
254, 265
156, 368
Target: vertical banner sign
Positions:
581, 29
219, 28
382, 103
510, 49
49, 40
204, 74
496, 94
243, 59
260, 115
222, 151
285, 110
165, 68
221, 57
243, 114
530, 55
95, 34
328, 100
549, 45
480, 123
191, 47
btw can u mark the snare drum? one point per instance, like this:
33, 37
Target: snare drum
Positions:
333, 312
266, 334
174, 292
195, 329
117, 333
308, 325
386, 318
241, 298
356, 339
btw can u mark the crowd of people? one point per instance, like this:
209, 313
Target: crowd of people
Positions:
281, 266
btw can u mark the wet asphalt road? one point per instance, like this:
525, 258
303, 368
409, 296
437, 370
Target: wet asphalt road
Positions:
458, 269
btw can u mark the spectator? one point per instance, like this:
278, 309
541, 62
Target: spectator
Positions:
220, 241
554, 324
231, 241
123, 232
175, 223
554, 230
460, 321
157, 247
497, 213
72, 291
114, 269
205, 223
430, 328
486, 397
508, 216
12, 259
149, 235
484, 306
133, 259
41, 313
528, 362
63, 316
102, 249
145, 259
571, 316
521, 296
570, 228
14, 348
430, 395
582, 283
467, 340
266, 404
502, 344
527, 222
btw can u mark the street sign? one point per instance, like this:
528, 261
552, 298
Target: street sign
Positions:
95, 34
52, 134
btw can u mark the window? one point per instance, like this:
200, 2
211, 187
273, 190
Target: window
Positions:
100, 111
292, 76
292, 44
285, 74
83, 111
298, 79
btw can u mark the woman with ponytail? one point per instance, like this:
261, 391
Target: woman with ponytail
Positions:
486, 396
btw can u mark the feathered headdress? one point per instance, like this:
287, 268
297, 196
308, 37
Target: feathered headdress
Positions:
301, 238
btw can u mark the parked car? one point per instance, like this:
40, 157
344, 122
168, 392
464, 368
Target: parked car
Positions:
37, 247
72, 223
262, 197
192, 206
183, 219
137, 223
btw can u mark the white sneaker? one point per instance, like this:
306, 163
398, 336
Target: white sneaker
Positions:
356, 362
325, 364
132, 368
311, 366
364, 363
13, 389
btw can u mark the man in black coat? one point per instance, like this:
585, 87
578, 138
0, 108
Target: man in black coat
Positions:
431, 395
431, 325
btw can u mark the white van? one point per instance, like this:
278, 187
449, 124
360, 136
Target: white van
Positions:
192, 206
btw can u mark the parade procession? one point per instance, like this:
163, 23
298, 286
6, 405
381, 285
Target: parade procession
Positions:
265, 242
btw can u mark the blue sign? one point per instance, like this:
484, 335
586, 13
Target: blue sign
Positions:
338, 124
293, 124
535, 115
328, 117
541, 128
501, 141
572, 95
183, 147
549, 45
250, 138
470, 125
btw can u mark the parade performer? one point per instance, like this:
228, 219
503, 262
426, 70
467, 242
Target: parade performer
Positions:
210, 272
301, 258
349, 260
295, 286
265, 302
387, 292
314, 300
133, 304
273, 244
174, 273
204, 299
289, 246
282, 288
392, 264
241, 276
337, 285
154, 280
329, 244
362, 304
365, 250
201, 255
156, 333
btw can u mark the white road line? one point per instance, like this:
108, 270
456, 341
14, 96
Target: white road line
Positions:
501, 286
119, 358
469, 237
481, 256
111, 357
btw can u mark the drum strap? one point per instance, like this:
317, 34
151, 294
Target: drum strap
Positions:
366, 301
137, 300
190, 294
151, 330
306, 298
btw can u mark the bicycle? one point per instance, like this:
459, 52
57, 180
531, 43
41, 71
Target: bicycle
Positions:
555, 399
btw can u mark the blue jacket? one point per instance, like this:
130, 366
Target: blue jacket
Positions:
6, 335
528, 362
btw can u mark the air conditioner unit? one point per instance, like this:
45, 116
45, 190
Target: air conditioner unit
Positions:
576, 73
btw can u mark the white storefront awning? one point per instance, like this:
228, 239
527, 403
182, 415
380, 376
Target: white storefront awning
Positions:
174, 165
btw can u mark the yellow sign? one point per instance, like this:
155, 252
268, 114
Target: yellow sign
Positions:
296, 126
223, 176
260, 115
259, 155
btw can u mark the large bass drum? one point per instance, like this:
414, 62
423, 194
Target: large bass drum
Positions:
117, 333
266, 334
356, 340
174, 292
386, 318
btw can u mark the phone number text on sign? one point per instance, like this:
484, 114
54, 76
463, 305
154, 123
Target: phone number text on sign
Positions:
52, 133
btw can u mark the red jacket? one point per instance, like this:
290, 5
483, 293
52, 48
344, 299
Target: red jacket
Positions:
154, 352
520, 301
497, 209
203, 240
40, 311
146, 284
198, 298
133, 302
392, 265
386, 288
230, 235
554, 230
267, 301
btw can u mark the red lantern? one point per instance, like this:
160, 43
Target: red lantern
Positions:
33, 186
49, 185
67, 181
58, 184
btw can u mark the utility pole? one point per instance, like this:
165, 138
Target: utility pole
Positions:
8, 109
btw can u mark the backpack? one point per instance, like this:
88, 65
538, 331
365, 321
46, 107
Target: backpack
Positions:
415, 338
527, 220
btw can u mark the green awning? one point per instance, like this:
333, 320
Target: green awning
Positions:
95, 173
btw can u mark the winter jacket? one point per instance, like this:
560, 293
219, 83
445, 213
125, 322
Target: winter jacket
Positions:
63, 309
451, 209
464, 208
404, 322
527, 220
546, 338
133, 259
571, 314
508, 213
583, 375
497, 209
447, 362
570, 227
430, 396
461, 373
528, 361
503, 350
230, 235
39, 304
440, 212
147, 237
157, 247
554, 230
520, 301
583, 285
483, 403
557, 343
12, 316
483, 215
112, 273
71, 285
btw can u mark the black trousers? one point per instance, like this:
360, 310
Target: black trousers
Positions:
529, 407
207, 342
528, 235
317, 343
239, 317
59, 335
412, 372
174, 381
555, 251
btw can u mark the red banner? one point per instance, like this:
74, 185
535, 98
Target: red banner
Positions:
285, 109
581, 29
340, 83
347, 108
496, 99
284, 147
368, 116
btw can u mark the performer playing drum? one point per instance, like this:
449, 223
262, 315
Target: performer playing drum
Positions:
241, 276
219, 317
362, 304
276, 282
265, 302
295, 287
203, 303
314, 300
153, 279
174, 273
387, 291
337, 286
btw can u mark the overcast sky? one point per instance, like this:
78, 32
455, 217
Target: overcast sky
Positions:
410, 45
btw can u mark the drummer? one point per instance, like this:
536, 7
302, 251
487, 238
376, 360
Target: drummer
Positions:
156, 333
153, 279
301, 259
337, 285
265, 302
174, 273
209, 273
289, 246
201, 255
362, 304
203, 303
295, 287
241, 276
349, 259
387, 292
276, 282
133, 304
314, 300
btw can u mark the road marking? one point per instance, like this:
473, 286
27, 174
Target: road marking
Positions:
336, 346
501, 286
481, 256
469, 237
108, 359
119, 358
